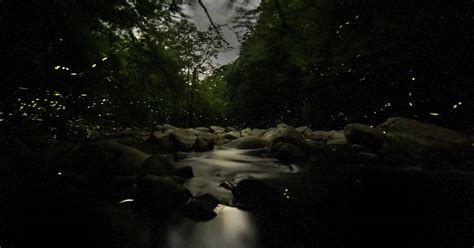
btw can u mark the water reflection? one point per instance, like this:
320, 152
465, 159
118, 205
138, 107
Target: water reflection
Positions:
232, 228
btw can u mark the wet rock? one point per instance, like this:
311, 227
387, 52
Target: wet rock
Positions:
305, 131
158, 135
286, 144
367, 156
201, 208
160, 196
232, 135
183, 139
180, 155
337, 142
316, 146
249, 142
282, 125
246, 132
167, 127
320, 136
166, 144
217, 129
231, 129
203, 129
221, 141
193, 131
425, 143
258, 132
156, 165
364, 135
287, 152
335, 134
105, 158
204, 142
185, 172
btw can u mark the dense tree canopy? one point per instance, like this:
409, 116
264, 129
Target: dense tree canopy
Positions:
328, 63
84, 65
78, 66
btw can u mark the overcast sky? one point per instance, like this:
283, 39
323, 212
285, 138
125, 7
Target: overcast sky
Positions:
222, 12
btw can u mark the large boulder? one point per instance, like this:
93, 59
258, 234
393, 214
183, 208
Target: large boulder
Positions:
203, 129
184, 139
246, 132
305, 131
412, 140
217, 129
204, 142
105, 158
364, 135
160, 196
232, 135
248, 142
286, 144
156, 165
258, 132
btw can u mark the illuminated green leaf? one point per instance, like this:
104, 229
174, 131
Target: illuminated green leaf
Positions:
434, 114
94, 65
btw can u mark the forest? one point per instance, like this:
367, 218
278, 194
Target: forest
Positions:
125, 122
82, 66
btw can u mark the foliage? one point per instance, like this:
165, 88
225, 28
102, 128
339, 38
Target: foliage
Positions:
327, 63
100, 64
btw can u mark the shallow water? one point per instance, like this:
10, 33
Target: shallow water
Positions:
233, 227
331, 205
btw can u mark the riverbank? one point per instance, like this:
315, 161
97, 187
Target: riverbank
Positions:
404, 181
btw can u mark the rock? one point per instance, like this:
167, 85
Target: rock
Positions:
232, 135
230, 129
183, 139
282, 125
320, 136
201, 208
158, 135
193, 131
287, 152
337, 142
156, 165
368, 157
160, 196
334, 134
180, 155
286, 144
364, 135
246, 132
249, 142
166, 144
258, 132
218, 129
203, 129
105, 158
167, 127
316, 146
221, 141
425, 143
185, 172
204, 142
305, 131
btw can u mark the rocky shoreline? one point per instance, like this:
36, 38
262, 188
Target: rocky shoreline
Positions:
132, 173
398, 141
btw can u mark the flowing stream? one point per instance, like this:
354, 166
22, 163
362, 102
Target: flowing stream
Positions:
232, 227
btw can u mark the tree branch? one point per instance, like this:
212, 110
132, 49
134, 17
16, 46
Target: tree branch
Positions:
212, 22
